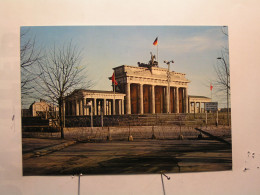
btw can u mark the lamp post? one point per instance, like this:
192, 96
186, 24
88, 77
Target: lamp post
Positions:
227, 86
89, 105
168, 89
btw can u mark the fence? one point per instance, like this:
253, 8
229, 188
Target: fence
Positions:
188, 119
162, 132
159, 126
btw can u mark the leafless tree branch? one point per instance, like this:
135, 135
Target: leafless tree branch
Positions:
60, 72
222, 83
29, 57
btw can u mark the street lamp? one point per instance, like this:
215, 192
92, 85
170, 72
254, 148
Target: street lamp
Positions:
227, 86
91, 114
168, 89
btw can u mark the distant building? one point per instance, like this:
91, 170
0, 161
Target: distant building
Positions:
41, 108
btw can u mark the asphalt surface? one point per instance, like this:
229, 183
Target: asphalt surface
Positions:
141, 156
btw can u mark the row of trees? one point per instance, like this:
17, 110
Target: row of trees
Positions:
51, 73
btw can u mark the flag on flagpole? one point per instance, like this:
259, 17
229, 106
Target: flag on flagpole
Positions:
155, 41
113, 79
211, 87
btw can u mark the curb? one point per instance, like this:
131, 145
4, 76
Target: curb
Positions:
48, 150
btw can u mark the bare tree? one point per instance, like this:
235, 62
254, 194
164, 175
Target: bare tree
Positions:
60, 72
29, 57
222, 82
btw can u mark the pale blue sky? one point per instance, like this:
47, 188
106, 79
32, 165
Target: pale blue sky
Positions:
194, 50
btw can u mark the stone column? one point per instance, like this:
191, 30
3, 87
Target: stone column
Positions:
123, 106
104, 107
119, 106
128, 99
114, 106
109, 107
195, 107
153, 100
95, 106
80, 107
77, 107
84, 106
176, 99
141, 94
107, 104
186, 101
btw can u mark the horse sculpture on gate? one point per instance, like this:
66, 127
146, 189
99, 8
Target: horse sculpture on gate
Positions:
151, 63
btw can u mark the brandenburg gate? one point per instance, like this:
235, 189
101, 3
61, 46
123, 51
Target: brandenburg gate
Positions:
147, 89
142, 89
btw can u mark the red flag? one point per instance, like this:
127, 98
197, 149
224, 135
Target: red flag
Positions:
211, 87
113, 79
155, 41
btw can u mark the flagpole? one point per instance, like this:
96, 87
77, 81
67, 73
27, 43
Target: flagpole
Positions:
157, 51
157, 55
211, 90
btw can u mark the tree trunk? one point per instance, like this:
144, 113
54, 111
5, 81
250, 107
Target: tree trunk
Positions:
61, 118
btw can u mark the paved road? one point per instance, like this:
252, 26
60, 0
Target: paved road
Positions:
139, 156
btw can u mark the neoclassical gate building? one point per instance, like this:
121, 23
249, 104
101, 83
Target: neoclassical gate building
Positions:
140, 90
81, 101
152, 90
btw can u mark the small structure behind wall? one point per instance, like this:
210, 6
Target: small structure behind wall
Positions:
197, 103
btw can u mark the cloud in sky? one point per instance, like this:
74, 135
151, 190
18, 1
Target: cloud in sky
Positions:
203, 42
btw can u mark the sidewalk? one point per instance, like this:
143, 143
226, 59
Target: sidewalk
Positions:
34, 147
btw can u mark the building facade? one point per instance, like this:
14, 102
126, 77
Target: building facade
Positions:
152, 90
197, 103
81, 102
140, 90
42, 108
